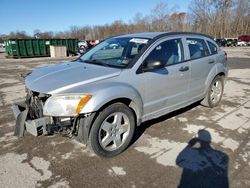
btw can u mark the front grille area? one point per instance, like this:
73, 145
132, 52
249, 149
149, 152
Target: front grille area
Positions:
35, 102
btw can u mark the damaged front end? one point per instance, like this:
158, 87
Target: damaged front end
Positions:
29, 116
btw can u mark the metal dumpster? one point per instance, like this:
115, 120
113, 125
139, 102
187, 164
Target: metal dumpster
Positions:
18, 48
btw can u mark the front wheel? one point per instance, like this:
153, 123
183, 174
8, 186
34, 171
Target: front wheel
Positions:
214, 93
112, 131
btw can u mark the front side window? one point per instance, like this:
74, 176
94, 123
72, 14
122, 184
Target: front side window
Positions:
213, 47
115, 52
197, 48
170, 52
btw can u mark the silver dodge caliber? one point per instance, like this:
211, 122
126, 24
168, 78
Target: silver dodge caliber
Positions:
103, 95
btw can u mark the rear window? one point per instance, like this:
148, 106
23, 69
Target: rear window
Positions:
213, 47
197, 48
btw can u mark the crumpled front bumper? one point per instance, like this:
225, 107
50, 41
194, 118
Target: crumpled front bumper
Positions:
20, 110
35, 127
45, 125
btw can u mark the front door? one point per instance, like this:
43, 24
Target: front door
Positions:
166, 88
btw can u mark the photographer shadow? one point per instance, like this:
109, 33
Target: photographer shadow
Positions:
202, 165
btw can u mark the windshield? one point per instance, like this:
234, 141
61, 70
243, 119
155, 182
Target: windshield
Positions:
115, 52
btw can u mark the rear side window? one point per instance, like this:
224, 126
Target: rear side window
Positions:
213, 47
170, 52
197, 48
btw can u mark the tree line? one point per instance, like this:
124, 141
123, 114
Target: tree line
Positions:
218, 18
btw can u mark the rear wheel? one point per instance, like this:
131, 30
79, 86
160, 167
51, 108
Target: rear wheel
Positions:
214, 93
112, 130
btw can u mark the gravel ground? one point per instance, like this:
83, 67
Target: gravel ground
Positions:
159, 155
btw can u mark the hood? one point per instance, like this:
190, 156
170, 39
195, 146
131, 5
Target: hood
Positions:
57, 78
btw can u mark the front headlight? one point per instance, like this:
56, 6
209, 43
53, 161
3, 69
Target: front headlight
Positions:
65, 105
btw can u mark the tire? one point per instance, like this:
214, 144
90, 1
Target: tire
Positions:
112, 130
214, 93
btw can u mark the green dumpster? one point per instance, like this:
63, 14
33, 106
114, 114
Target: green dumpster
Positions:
18, 48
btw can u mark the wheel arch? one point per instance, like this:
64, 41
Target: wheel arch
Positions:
206, 100
127, 101
86, 122
217, 70
211, 77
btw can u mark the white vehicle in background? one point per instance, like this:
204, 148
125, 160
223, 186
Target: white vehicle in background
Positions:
82, 44
241, 43
2, 45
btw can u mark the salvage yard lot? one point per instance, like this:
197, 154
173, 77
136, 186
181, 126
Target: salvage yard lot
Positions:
151, 160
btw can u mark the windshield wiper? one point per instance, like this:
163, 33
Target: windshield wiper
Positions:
97, 62
79, 59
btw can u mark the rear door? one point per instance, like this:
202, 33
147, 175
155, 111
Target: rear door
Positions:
201, 62
166, 88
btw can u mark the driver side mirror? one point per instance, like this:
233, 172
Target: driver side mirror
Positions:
150, 65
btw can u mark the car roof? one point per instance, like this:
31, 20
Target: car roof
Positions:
152, 35
149, 35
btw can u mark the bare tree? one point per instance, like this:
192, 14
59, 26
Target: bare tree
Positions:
160, 17
19, 35
219, 18
43, 35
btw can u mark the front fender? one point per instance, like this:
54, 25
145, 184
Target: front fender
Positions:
113, 91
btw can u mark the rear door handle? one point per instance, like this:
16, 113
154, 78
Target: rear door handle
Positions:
184, 68
210, 61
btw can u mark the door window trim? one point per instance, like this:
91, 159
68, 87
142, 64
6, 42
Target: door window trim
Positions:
201, 38
210, 48
149, 50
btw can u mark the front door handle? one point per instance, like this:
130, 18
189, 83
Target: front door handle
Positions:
210, 61
184, 68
